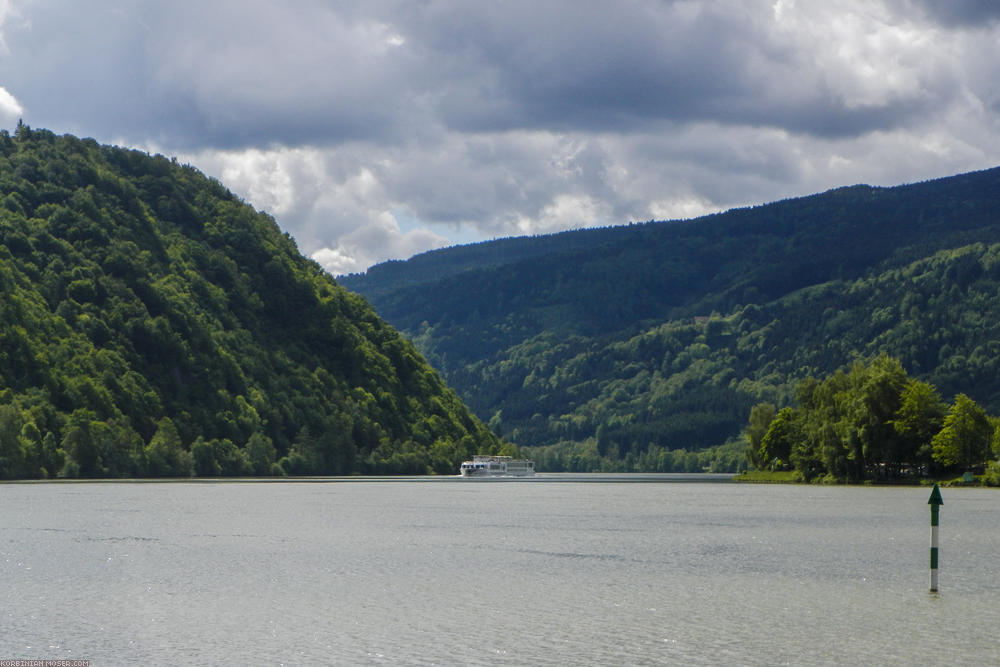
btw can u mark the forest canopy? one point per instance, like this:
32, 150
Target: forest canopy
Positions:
871, 422
154, 324
644, 347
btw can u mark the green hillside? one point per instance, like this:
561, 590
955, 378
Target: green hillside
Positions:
636, 346
154, 324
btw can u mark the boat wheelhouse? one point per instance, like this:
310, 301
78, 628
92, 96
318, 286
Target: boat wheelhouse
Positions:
497, 466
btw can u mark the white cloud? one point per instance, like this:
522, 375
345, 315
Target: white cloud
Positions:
681, 208
338, 261
868, 58
10, 108
566, 211
332, 201
377, 241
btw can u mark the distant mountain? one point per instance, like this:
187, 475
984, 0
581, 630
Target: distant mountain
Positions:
154, 324
616, 348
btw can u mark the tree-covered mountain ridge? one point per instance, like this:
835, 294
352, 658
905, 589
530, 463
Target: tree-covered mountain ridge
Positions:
152, 323
636, 346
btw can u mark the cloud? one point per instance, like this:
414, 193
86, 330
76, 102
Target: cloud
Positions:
10, 108
376, 129
959, 13
229, 74
378, 240
345, 218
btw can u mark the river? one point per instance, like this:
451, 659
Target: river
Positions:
461, 572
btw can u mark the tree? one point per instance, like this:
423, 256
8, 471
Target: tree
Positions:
304, 457
52, 456
82, 452
140, 289
872, 405
866, 421
165, 452
761, 416
260, 454
782, 434
919, 418
203, 459
12, 454
964, 440
119, 447
446, 456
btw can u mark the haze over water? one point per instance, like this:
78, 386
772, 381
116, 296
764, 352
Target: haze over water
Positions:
461, 572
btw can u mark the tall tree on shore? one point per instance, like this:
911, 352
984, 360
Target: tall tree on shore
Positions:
964, 440
919, 418
761, 416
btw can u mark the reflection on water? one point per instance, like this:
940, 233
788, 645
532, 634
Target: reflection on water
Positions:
579, 572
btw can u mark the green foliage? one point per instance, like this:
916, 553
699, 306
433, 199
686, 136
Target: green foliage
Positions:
769, 476
584, 457
919, 418
761, 416
260, 454
152, 323
609, 343
992, 474
871, 422
964, 440
165, 453
782, 435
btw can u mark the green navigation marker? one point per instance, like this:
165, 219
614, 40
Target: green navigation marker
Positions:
935, 502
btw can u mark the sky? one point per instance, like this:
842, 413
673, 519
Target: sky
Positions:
378, 129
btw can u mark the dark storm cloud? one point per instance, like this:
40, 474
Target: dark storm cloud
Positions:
231, 74
960, 13
189, 74
378, 128
600, 66
77, 68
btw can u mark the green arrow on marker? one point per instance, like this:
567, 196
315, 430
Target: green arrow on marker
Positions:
935, 498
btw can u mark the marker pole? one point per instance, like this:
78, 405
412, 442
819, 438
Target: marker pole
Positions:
935, 502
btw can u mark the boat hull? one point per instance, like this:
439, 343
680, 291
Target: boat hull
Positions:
497, 466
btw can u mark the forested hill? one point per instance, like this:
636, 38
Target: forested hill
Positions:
601, 345
154, 324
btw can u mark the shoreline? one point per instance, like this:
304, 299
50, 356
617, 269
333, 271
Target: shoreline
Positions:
792, 477
558, 477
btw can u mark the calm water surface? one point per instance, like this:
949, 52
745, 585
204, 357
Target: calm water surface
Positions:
454, 572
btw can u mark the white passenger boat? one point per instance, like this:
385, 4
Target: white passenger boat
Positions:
497, 466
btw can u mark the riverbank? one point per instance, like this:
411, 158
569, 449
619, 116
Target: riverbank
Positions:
793, 477
769, 477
